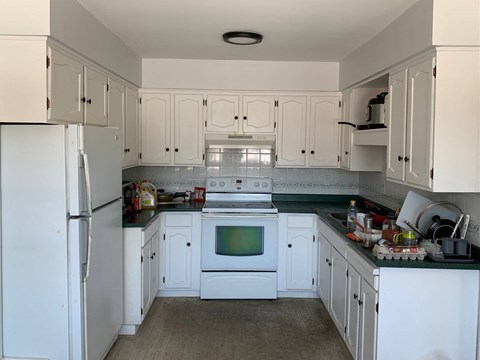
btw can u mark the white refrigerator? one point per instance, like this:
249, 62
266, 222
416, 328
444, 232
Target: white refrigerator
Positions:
61, 234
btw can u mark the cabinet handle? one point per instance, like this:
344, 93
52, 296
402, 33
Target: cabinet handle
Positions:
312, 152
244, 118
400, 158
125, 150
289, 245
303, 151
236, 117
167, 149
89, 101
360, 302
176, 150
407, 159
326, 260
355, 296
188, 244
84, 99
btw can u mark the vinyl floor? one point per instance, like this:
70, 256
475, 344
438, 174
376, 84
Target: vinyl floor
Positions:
191, 329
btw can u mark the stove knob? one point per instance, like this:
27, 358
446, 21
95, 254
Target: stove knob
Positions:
213, 183
221, 183
256, 184
264, 184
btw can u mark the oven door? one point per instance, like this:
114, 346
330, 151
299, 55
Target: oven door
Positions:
232, 242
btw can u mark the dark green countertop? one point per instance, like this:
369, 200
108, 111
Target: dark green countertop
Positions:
141, 219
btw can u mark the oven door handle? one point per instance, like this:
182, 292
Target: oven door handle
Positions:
239, 215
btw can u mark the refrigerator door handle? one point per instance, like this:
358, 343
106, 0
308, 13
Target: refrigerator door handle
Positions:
88, 186
86, 265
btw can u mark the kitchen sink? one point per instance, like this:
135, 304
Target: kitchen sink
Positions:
339, 216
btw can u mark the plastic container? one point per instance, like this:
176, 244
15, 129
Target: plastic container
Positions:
148, 193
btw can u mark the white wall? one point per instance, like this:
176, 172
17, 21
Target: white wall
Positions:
408, 35
24, 17
74, 26
239, 75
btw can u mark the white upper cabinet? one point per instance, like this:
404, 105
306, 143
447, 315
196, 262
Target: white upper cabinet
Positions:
323, 119
130, 135
66, 89
292, 127
258, 114
172, 137
223, 113
346, 132
156, 134
240, 113
188, 129
95, 97
434, 132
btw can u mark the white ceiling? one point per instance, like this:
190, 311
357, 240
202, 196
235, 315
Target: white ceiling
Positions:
293, 30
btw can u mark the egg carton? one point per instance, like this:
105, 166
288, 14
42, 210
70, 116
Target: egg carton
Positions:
388, 252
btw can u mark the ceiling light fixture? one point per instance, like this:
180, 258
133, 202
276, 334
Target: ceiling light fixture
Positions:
242, 38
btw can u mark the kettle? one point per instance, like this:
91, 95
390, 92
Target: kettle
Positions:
375, 113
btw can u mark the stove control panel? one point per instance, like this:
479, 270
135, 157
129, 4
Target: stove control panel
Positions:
239, 185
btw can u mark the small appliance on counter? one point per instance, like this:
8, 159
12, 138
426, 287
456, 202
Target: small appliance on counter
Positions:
128, 189
375, 113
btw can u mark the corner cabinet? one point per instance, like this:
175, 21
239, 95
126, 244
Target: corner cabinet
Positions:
141, 269
297, 255
308, 130
172, 137
434, 133
180, 254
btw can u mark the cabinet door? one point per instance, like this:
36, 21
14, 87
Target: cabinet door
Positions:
368, 323
188, 129
396, 125
258, 114
346, 131
354, 282
116, 108
324, 270
299, 259
154, 265
420, 124
146, 253
223, 113
291, 144
130, 150
178, 258
156, 135
65, 89
96, 103
338, 290
324, 118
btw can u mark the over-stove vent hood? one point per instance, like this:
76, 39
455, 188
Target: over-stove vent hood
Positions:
258, 141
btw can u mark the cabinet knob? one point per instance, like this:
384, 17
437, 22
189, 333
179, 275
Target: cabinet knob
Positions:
89, 101
407, 159
244, 118
400, 158
167, 149
289, 245
176, 150
329, 263
84, 99
303, 151
326, 260
151, 257
360, 302
125, 150
346, 152
188, 244
312, 152
236, 117
355, 296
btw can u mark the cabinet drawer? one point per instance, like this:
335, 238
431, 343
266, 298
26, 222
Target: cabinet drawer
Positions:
300, 221
148, 232
178, 220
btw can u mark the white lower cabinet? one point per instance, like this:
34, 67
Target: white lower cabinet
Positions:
141, 266
367, 327
297, 250
338, 285
180, 254
354, 282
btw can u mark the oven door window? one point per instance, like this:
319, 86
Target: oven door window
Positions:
239, 240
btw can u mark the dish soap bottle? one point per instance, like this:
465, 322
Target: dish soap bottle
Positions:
351, 213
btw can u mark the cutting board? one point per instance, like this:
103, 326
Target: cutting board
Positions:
414, 203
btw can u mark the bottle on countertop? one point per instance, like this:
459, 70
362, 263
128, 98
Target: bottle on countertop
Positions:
137, 199
351, 213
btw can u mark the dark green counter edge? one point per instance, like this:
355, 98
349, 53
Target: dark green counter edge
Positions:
321, 205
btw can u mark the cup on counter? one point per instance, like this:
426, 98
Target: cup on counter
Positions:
360, 219
406, 238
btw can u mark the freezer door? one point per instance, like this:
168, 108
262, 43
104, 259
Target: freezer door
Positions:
94, 167
103, 288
